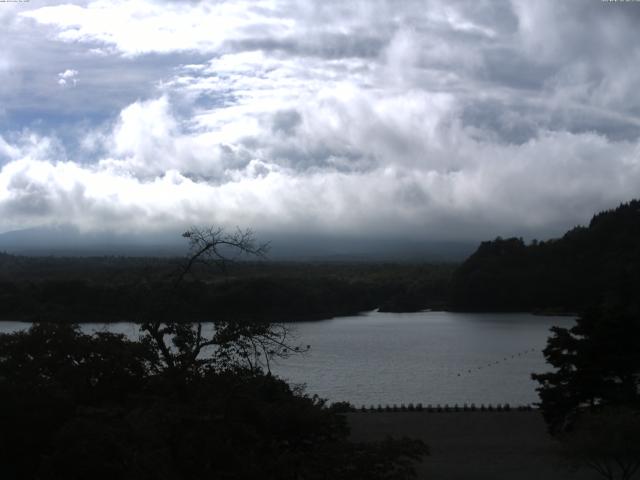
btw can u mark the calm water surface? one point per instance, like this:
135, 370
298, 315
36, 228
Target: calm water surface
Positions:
428, 357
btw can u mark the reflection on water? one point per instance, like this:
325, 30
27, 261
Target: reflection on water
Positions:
426, 357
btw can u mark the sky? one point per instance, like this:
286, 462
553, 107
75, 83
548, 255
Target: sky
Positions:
429, 120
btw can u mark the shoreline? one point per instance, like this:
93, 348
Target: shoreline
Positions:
312, 318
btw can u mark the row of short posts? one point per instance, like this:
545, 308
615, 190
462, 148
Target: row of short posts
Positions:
418, 407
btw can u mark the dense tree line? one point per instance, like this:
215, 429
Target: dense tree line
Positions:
76, 406
583, 268
112, 289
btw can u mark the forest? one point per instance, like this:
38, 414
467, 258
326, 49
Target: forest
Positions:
77, 289
586, 266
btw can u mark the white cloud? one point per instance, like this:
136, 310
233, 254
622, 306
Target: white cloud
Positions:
148, 26
7, 151
68, 76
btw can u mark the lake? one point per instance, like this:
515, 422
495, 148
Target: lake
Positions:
426, 357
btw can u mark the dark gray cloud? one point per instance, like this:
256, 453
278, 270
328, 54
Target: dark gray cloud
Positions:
328, 46
286, 121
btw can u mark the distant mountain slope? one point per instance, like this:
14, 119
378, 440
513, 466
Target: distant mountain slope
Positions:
66, 240
586, 266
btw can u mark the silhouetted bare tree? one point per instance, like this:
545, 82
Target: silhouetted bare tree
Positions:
222, 343
214, 247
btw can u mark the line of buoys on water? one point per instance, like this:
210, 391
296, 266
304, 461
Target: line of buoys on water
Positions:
497, 362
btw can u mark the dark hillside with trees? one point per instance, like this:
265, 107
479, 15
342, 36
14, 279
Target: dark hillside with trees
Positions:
84, 289
585, 267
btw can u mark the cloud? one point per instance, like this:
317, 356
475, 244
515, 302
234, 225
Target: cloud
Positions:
532, 188
7, 151
146, 26
68, 76
467, 119
558, 59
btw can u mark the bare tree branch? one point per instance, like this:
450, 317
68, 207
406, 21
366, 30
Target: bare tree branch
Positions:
207, 245
231, 343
